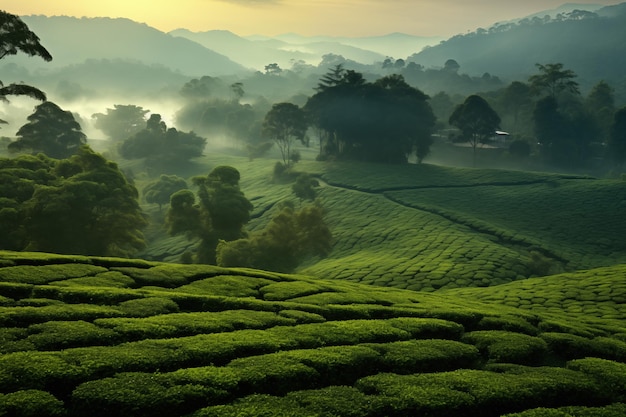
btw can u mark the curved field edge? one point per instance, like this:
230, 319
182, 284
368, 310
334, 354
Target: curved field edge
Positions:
103, 336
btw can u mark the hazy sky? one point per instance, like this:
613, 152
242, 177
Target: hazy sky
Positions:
307, 17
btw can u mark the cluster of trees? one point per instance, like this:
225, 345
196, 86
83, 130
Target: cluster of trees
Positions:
79, 205
217, 215
382, 121
290, 236
162, 147
547, 116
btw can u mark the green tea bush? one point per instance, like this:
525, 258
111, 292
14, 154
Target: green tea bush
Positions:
227, 285
335, 401
507, 323
428, 328
480, 393
275, 373
140, 395
113, 279
257, 406
28, 274
339, 365
187, 324
30, 403
613, 410
15, 291
433, 355
87, 295
287, 290
57, 335
610, 376
502, 346
149, 306
25, 316
302, 317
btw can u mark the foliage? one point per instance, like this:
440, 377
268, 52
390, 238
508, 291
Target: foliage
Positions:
617, 138
384, 121
50, 130
284, 124
553, 80
81, 205
162, 147
121, 122
476, 120
303, 188
17, 37
160, 191
220, 214
289, 237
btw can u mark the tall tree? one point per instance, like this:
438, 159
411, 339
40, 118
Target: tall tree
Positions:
160, 191
121, 122
617, 141
50, 130
219, 213
553, 80
600, 103
15, 36
284, 124
476, 120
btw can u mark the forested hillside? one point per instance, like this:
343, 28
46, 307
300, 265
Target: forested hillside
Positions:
589, 43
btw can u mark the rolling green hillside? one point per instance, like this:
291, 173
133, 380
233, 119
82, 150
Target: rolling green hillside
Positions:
86, 336
427, 227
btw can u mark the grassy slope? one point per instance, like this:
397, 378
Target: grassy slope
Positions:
436, 227
86, 336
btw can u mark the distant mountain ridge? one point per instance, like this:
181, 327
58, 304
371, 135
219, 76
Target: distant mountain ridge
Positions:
73, 40
589, 43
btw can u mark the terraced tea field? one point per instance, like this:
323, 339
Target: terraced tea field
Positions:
85, 336
427, 227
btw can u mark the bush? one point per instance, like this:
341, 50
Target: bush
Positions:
57, 335
415, 356
610, 376
502, 346
146, 307
30, 403
139, 395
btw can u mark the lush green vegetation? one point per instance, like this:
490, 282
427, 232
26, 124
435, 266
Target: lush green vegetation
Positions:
84, 336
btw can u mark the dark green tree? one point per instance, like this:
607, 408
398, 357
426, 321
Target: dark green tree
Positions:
284, 124
50, 130
600, 103
80, 205
304, 187
121, 122
516, 101
160, 191
476, 120
161, 147
15, 36
617, 139
553, 80
290, 237
219, 213
384, 121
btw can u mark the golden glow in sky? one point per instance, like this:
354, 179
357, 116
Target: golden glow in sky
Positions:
306, 17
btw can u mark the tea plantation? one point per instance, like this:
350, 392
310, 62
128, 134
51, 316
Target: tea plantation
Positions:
88, 336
